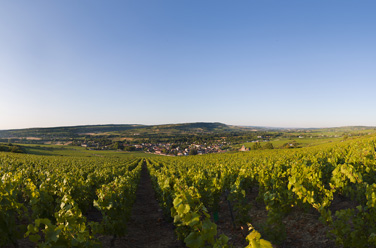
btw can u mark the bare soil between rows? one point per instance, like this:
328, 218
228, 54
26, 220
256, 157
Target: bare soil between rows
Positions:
303, 228
147, 226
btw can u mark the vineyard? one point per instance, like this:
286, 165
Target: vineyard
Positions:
252, 199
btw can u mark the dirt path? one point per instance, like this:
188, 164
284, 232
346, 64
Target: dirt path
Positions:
147, 226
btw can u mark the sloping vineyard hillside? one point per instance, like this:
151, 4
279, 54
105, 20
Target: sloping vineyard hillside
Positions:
252, 199
46, 199
335, 184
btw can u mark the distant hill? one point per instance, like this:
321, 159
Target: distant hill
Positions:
125, 129
65, 131
168, 130
184, 128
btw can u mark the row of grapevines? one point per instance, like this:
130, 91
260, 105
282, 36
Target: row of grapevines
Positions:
189, 194
307, 178
46, 198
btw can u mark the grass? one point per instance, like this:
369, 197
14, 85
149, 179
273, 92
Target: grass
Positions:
76, 151
302, 142
314, 138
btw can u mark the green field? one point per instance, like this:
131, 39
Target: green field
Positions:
303, 142
76, 151
317, 137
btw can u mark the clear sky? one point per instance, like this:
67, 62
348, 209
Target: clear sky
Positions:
288, 63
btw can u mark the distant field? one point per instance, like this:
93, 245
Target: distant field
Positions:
305, 142
315, 138
51, 150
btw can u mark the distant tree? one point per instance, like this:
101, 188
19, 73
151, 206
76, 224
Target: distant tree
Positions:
193, 152
290, 145
285, 145
12, 148
129, 148
17, 149
118, 145
225, 147
268, 145
256, 146
4, 148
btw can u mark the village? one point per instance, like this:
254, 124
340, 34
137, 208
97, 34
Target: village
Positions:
172, 148
175, 150
166, 149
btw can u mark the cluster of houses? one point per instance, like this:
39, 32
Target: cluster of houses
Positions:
175, 150
169, 149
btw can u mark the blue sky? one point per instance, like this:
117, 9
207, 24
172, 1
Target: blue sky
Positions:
262, 63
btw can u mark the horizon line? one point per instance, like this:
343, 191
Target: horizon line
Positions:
180, 123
